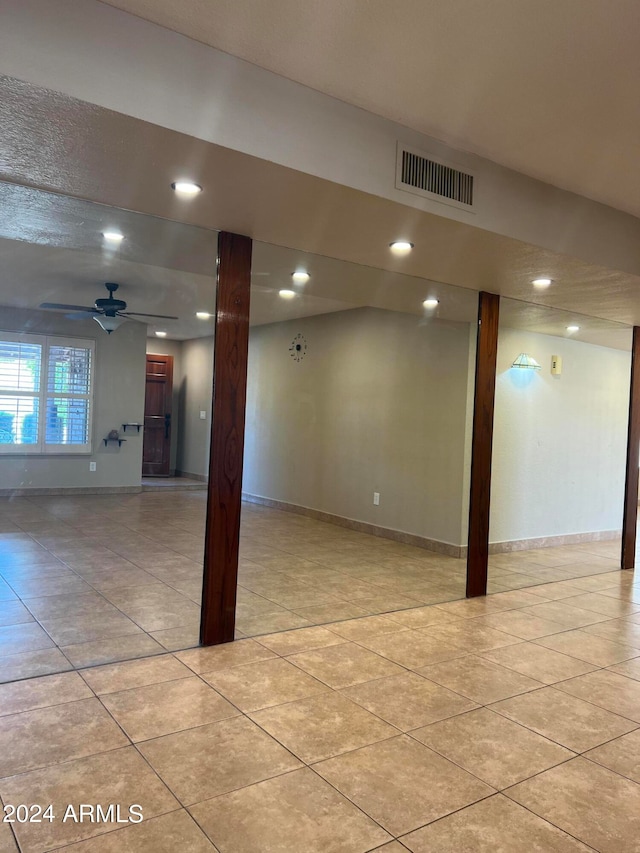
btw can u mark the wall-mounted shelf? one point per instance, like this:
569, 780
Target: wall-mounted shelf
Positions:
119, 440
137, 426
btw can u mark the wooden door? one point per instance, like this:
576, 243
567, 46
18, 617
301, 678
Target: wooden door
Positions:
156, 449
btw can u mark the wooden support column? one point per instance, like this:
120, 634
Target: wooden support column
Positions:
630, 515
230, 348
481, 444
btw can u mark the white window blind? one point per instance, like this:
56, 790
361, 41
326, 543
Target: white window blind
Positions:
46, 391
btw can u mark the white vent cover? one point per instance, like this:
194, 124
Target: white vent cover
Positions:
419, 173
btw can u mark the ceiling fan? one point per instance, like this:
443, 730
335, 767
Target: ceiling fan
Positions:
108, 312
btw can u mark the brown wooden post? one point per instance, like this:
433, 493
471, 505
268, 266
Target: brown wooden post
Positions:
481, 444
630, 514
222, 537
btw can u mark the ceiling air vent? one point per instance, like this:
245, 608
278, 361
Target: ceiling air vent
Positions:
425, 176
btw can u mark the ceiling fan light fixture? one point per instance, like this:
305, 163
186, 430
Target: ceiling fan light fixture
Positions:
109, 324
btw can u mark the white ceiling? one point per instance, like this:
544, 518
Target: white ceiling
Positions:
546, 87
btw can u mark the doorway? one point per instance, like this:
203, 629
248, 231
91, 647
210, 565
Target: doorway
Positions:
156, 451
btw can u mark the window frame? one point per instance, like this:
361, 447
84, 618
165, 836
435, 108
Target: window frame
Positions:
42, 448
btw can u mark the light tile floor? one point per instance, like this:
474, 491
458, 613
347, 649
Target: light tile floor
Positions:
436, 729
86, 580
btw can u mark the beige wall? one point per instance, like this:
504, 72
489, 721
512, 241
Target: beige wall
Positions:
119, 398
559, 442
377, 404
195, 397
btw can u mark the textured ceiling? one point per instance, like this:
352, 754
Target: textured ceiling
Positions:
52, 250
85, 151
546, 87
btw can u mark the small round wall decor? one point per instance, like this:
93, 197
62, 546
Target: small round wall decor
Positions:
298, 348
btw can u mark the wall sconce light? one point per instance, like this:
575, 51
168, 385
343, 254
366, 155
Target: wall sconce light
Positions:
526, 362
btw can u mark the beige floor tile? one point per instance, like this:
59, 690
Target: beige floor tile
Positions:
392, 782
495, 825
292, 813
42, 692
25, 637
420, 617
177, 639
565, 615
612, 607
469, 608
408, 701
224, 656
478, 679
7, 839
158, 709
88, 626
538, 662
322, 726
522, 625
216, 758
366, 628
136, 673
608, 690
267, 623
493, 748
414, 649
588, 647
624, 631
630, 668
55, 606
344, 665
32, 664
567, 720
470, 636
43, 586
300, 640
621, 755
608, 821
263, 684
13, 613
112, 649
176, 831
121, 776
323, 613
52, 735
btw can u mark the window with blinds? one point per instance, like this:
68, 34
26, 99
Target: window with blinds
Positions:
46, 391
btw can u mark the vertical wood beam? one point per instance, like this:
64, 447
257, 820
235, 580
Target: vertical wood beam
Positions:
222, 537
481, 444
630, 514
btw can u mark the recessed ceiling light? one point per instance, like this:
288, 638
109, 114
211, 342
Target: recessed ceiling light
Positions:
203, 315
186, 188
287, 294
573, 328
300, 276
161, 334
113, 236
431, 302
401, 247
541, 282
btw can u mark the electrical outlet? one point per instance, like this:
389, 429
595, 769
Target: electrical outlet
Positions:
376, 498
203, 416
92, 466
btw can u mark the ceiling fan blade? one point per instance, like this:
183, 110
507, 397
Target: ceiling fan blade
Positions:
55, 306
138, 314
